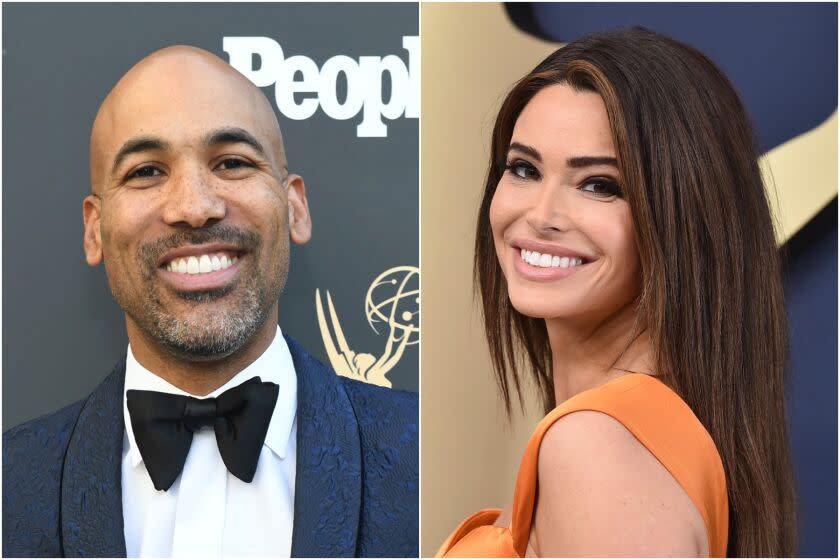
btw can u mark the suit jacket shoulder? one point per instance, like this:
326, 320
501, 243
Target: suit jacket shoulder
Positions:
357, 486
33, 457
388, 429
61, 479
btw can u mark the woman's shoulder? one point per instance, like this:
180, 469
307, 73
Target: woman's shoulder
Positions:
601, 492
649, 411
632, 455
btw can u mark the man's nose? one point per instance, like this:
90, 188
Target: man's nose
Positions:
550, 209
193, 199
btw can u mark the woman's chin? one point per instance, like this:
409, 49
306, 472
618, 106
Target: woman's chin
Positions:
538, 308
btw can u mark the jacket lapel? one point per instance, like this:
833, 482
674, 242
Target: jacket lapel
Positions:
328, 483
91, 487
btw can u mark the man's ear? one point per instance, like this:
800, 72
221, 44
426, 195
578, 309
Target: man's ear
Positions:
300, 223
91, 214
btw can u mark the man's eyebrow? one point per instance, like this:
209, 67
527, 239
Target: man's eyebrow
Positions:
528, 150
588, 161
235, 135
135, 145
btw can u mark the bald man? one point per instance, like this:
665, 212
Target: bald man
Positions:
217, 434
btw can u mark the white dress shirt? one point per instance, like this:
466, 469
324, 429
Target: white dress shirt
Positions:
208, 511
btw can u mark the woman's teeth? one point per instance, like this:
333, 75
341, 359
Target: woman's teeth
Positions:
544, 260
201, 264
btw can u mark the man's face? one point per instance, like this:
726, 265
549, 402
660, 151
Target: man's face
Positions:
193, 207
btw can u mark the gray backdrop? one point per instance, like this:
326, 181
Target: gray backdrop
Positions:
62, 331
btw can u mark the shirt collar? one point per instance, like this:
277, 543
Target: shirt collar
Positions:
274, 365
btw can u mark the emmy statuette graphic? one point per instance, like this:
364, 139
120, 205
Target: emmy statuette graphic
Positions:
392, 303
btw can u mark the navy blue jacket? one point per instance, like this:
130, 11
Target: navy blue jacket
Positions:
356, 488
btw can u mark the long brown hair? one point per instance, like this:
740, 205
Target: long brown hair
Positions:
711, 298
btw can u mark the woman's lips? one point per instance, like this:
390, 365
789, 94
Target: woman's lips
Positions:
542, 273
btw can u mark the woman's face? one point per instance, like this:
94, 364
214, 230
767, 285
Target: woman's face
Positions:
561, 226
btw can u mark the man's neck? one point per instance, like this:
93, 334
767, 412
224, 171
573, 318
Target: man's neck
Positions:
198, 377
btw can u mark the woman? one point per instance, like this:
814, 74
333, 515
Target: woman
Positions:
626, 259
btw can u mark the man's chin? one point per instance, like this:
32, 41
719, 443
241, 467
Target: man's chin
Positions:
203, 326
214, 338
205, 296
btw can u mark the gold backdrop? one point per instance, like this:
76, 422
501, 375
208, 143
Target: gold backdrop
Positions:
472, 54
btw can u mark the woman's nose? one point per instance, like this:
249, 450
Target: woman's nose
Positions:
549, 210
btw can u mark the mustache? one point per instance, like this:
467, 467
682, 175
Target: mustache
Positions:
150, 253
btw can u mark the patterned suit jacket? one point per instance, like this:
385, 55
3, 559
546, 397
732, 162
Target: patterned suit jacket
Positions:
356, 488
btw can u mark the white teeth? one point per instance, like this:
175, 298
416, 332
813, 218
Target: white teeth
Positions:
201, 264
545, 260
204, 265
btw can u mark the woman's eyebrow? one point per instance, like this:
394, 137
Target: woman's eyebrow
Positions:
576, 162
528, 150
589, 161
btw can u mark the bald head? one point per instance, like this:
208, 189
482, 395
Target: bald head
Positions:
173, 94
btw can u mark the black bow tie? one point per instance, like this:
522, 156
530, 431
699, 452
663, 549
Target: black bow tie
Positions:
163, 427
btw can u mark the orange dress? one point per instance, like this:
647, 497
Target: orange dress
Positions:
659, 419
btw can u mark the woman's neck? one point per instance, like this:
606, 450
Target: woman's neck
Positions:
586, 356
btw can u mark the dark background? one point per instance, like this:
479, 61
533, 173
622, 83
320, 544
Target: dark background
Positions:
62, 331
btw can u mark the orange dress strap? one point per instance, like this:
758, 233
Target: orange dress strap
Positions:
665, 425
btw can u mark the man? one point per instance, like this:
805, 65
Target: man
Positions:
191, 212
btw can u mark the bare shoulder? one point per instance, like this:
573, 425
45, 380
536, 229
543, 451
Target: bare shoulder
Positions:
601, 492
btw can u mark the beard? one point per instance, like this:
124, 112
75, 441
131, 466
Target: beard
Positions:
220, 321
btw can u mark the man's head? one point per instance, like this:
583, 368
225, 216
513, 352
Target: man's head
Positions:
192, 205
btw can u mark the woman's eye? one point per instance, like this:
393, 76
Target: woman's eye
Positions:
522, 169
602, 188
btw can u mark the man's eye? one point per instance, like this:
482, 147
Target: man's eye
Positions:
522, 169
601, 187
234, 163
145, 172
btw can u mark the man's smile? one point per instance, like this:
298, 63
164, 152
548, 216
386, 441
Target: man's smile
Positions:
200, 267
201, 264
